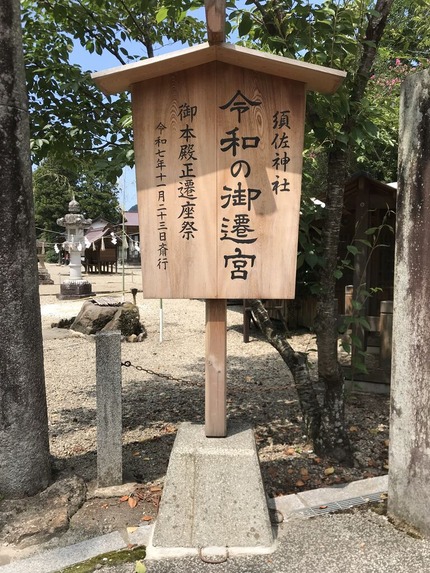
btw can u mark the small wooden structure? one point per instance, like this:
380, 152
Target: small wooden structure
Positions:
368, 204
131, 226
102, 254
218, 144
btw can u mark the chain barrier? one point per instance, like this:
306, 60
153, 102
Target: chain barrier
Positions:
128, 364
257, 387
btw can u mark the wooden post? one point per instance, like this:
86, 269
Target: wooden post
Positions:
215, 373
361, 278
215, 19
385, 334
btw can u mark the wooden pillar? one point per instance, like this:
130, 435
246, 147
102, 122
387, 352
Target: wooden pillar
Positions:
386, 334
215, 20
215, 373
360, 278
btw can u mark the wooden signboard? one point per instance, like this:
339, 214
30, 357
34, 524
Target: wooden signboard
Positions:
218, 159
218, 138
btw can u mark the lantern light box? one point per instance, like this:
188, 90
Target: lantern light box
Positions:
218, 139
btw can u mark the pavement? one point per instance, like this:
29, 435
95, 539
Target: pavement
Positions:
309, 537
316, 530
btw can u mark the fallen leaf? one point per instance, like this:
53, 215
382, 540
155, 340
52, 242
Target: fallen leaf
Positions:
155, 488
353, 429
139, 567
383, 496
290, 451
317, 460
304, 472
123, 498
323, 507
386, 443
132, 502
329, 471
136, 454
290, 471
131, 529
300, 483
146, 518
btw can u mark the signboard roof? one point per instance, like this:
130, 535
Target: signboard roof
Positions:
316, 78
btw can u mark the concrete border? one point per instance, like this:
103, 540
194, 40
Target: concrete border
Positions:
52, 560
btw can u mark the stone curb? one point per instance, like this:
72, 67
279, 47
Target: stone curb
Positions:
290, 506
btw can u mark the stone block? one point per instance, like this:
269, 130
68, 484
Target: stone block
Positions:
213, 494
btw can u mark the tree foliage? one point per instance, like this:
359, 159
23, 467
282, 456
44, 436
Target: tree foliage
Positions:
56, 182
67, 111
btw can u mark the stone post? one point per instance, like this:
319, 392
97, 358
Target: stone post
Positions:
409, 475
109, 409
24, 446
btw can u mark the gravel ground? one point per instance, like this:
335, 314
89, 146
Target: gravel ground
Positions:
260, 391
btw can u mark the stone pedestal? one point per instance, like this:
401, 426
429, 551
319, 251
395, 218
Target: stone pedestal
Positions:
213, 495
42, 271
75, 289
44, 276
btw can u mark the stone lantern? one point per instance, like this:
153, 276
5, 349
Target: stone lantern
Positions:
75, 223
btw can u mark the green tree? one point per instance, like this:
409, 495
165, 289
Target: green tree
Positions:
56, 181
340, 130
67, 111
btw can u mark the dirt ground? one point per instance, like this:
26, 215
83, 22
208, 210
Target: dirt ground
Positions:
167, 388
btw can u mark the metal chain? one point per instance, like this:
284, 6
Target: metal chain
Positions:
128, 364
231, 390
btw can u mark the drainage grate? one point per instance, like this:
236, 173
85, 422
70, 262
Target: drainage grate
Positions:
340, 505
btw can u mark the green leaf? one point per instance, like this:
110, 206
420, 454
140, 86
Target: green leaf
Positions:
364, 322
139, 567
245, 24
346, 347
338, 274
161, 14
360, 366
364, 242
351, 249
371, 230
356, 342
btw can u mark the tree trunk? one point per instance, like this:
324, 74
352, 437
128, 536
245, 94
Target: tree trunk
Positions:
298, 366
333, 438
24, 446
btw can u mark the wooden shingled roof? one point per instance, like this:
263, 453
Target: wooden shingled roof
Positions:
317, 78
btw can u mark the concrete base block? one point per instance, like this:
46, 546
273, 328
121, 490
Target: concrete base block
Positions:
213, 494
